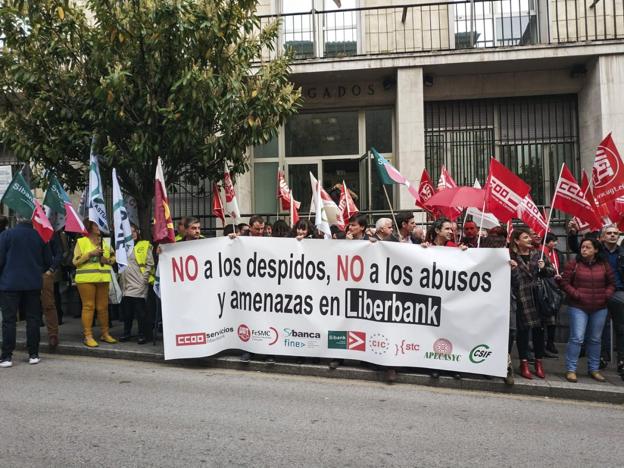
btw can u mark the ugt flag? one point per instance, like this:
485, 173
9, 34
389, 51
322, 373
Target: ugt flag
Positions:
426, 190
95, 202
57, 200
123, 234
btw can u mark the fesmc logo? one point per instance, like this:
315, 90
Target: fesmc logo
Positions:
378, 344
479, 353
443, 351
270, 334
351, 340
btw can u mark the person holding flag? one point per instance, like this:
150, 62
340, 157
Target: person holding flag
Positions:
526, 266
93, 259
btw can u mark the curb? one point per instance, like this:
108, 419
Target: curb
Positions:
544, 389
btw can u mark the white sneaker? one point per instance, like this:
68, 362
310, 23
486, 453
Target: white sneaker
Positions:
34, 359
6, 362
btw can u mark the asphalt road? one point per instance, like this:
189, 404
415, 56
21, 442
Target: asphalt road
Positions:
78, 411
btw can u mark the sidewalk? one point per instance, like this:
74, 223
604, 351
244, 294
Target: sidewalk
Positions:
555, 385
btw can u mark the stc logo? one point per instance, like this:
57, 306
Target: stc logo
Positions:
190, 339
405, 347
479, 353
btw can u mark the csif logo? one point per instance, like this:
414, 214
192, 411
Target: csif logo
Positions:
479, 353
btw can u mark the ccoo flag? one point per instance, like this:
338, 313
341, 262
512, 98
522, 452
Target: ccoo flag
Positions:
124, 244
95, 202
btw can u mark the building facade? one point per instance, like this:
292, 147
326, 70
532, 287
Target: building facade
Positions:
533, 83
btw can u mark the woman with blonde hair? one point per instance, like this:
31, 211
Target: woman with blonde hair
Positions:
93, 259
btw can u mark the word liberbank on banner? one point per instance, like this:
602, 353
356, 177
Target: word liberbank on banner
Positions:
387, 303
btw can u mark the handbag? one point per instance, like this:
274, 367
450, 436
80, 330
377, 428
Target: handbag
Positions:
548, 297
114, 290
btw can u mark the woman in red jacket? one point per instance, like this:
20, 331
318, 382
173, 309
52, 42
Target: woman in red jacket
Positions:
589, 282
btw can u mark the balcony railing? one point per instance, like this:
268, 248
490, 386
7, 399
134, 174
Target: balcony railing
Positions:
446, 26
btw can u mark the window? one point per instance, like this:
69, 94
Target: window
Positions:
322, 134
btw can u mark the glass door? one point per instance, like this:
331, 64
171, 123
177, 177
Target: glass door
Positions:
299, 182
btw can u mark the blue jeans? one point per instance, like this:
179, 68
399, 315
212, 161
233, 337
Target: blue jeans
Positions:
583, 324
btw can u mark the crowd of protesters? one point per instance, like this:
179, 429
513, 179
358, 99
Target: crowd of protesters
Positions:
592, 279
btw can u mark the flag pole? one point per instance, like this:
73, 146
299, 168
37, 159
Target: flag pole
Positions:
480, 224
552, 203
392, 213
464, 222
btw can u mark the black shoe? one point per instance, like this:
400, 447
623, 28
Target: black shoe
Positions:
270, 361
245, 358
141, 340
551, 348
124, 338
435, 375
334, 364
548, 354
457, 376
620, 368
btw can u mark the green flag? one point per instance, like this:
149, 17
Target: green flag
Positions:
19, 197
54, 195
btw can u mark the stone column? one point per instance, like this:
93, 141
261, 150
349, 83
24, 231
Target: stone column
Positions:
601, 106
410, 132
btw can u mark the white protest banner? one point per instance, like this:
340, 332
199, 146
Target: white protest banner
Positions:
387, 303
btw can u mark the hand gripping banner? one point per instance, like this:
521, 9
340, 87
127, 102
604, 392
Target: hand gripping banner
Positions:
388, 303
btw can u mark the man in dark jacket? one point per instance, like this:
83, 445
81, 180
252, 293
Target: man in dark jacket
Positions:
23, 259
614, 253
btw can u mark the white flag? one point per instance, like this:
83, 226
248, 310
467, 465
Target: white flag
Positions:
123, 234
231, 204
97, 209
489, 220
320, 220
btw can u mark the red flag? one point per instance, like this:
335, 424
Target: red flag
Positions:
509, 230
283, 192
162, 231
584, 226
446, 182
569, 197
532, 216
346, 205
217, 204
426, 190
505, 192
608, 172
41, 223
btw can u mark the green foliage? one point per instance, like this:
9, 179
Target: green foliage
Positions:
168, 78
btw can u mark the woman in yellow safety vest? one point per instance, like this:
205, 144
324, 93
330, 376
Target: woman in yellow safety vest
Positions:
136, 280
93, 260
